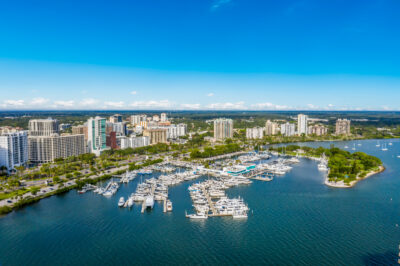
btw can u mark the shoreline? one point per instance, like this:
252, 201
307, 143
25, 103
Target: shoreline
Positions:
341, 184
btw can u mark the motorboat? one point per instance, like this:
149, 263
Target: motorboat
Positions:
149, 202
121, 202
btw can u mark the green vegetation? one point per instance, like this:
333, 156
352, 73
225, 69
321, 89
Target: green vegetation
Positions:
344, 166
134, 166
215, 151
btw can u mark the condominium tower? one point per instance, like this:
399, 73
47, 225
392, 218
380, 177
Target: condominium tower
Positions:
13, 149
343, 127
96, 135
302, 127
223, 128
43, 127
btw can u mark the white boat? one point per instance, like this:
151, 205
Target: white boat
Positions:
149, 202
198, 215
121, 202
346, 147
378, 144
239, 216
390, 144
129, 202
169, 205
384, 147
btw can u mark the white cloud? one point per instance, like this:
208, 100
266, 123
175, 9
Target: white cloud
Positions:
13, 103
88, 102
227, 106
115, 104
39, 101
218, 3
210, 94
311, 106
133, 92
152, 104
269, 106
64, 103
191, 106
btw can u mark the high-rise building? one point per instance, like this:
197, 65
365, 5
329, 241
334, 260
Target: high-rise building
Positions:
302, 127
96, 135
120, 128
81, 129
111, 140
271, 128
13, 149
164, 117
288, 129
156, 135
136, 119
223, 128
318, 130
43, 149
255, 133
132, 142
115, 118
43, 127
343, 127
156, 118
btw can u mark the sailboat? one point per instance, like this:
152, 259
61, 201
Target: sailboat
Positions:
378, 144
354, 147
384, 148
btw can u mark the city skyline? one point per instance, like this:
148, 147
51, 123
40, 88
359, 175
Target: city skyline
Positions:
211, 55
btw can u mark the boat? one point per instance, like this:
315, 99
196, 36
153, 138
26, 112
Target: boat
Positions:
121, 202
169, 205
346, 147
129, 203
378, 144
239, 216
384, 147
82, 191
390, 144
199, 215
149, 202
354, 147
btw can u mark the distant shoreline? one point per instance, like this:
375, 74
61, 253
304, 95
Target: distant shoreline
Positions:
341, 184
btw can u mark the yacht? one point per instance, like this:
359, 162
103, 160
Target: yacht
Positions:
121, 202
129, 203
384, 147
199, 215
169, 205
346, 147
378, 144
149, 202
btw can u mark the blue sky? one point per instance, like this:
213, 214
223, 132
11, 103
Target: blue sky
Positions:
209, 54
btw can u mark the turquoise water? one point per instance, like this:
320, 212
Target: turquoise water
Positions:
296, 220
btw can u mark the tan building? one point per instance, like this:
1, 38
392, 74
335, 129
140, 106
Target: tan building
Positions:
223, 128
318, 130
343, 127
44, 149
271, 128
156, 135
80, 130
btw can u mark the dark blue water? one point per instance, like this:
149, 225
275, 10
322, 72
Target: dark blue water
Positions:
296, 220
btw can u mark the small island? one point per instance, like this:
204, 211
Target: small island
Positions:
345, 169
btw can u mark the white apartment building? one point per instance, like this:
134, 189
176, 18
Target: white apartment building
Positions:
13, 149
43, 149
132, 142
164, 117
43, 127
302, 127
255, 133
137, 119
288, 129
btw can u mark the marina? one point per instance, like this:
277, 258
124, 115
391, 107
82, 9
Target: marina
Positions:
294, 208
